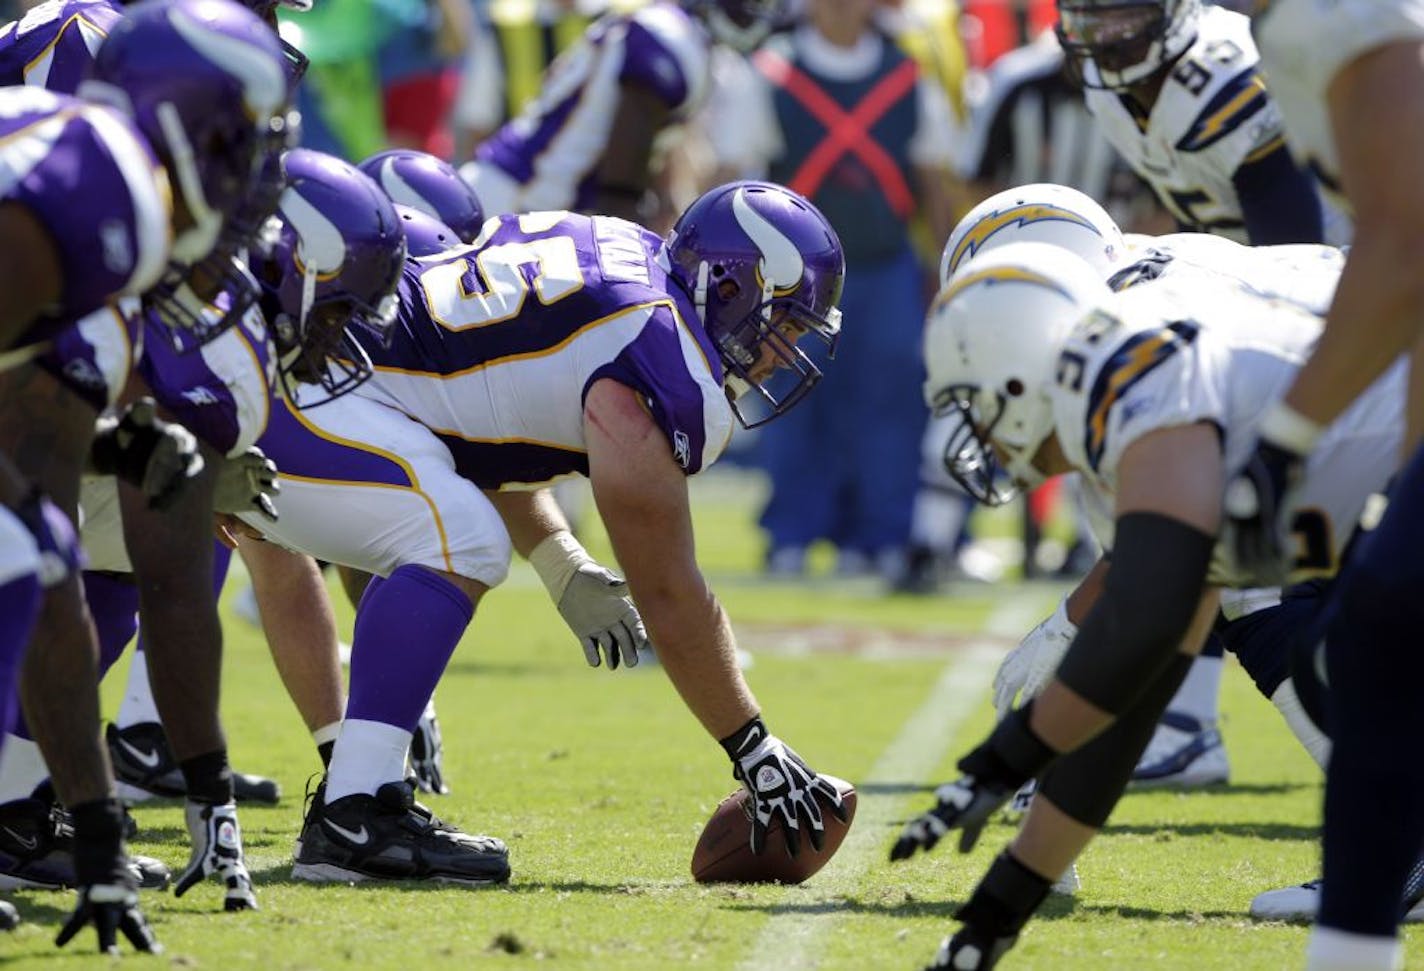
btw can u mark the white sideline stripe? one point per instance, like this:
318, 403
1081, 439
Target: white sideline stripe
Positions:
789, 936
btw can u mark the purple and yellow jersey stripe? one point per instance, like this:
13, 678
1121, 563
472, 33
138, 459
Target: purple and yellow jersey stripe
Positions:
499, 342
53, 44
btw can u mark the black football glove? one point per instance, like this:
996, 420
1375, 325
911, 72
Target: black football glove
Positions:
217, 849
780, 785
156, 456
107, 897
1011, 756
993, 917
247, 483
1259, 501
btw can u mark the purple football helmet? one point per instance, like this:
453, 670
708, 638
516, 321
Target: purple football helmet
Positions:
424, 234
328, 261
424, 182
740, 24
763, 268
205, 83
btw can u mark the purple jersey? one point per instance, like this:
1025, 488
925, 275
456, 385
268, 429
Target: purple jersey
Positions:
93, 182
220, 391
497, 345
53, 44
551, 151
94, 355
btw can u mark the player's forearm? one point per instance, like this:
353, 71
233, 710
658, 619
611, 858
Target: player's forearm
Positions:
1376, 316
530, 517
698, 651
172, 554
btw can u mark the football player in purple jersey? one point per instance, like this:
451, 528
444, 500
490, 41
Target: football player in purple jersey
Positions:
586, 142
201, 138
643, 351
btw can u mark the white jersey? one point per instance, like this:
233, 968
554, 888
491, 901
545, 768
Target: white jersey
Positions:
1178, 353
1304, 44
1212, 115
1304, 274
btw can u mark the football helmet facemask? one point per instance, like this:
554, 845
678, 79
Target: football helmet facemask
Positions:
328, 264
992, 338
763, 268
1127, 41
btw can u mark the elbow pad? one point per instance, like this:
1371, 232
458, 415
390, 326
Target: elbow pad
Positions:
1150, 595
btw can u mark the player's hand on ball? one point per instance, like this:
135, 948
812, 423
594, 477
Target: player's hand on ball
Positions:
597, 608
781, 785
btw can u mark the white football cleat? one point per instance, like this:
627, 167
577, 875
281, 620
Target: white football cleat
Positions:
1184, 754
1302, 902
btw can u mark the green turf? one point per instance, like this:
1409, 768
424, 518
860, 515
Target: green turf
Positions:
600, 782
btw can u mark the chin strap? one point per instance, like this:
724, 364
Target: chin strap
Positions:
194, 243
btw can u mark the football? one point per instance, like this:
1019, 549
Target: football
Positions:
723, 853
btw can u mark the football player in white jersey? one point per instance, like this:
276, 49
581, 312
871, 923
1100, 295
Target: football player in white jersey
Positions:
1151, 394
1175, 86
1350, 78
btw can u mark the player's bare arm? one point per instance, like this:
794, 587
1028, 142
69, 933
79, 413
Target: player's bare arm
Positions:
623, 170
642, 498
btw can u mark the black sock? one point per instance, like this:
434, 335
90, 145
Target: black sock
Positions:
208, 778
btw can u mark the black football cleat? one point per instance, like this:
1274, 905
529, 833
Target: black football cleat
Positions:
37, 851
145, 769
389, 836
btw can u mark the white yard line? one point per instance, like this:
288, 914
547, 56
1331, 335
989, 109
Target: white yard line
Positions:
788, 940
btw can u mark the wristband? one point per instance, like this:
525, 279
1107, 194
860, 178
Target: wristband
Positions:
556, 559
1285, 427
746, 738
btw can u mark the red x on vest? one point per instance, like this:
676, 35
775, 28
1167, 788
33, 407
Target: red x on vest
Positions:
846, 131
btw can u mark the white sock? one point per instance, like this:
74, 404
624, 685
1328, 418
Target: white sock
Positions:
368, 755
22, 767
137, 706
1314, 740
429, 708
1200, 693
936, 520
1334, 950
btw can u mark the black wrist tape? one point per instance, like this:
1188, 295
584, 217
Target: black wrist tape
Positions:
1087, 783
208, 778
1013, 754
1005, 899
99, 842
744, 739
1150, 595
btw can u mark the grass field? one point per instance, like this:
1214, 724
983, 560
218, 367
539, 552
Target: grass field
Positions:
600, 782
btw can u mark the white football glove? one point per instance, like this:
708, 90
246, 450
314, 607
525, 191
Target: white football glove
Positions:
592, 599
217, 849
247, 483
1029, 667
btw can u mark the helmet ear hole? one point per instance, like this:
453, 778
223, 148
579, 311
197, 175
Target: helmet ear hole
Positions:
727, 288
1014, 387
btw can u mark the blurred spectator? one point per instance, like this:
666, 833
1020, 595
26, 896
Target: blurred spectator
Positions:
340, 97
419, 61
835, 110
512, 44
993, 28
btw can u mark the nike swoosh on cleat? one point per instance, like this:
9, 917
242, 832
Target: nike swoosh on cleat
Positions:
28, 842
358, 836
143, 757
